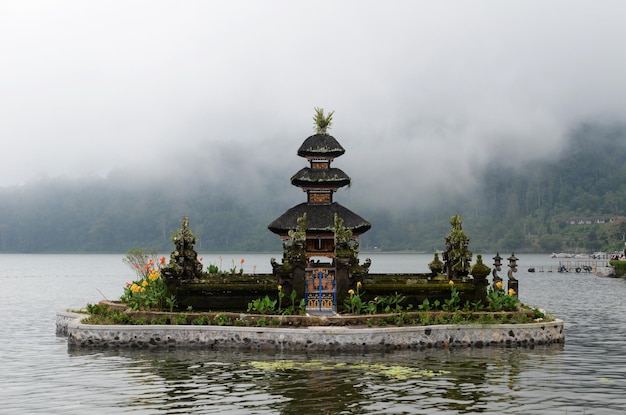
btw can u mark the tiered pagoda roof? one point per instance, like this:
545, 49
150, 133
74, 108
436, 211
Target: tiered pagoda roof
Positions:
319, 181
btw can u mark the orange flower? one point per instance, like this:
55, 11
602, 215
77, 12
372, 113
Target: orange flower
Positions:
162, 260
511, 292
499, 284
242, 261
127, 284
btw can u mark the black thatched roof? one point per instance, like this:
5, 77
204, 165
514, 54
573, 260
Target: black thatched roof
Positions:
321, 145
319, 218
319, 177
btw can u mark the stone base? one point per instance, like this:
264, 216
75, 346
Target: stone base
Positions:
317, 338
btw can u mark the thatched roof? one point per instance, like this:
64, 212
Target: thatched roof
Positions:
321, 145
318, 177
319, 218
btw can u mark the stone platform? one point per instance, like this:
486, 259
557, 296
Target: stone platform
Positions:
325, 338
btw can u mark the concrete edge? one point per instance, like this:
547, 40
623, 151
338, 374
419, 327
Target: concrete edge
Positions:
81, 335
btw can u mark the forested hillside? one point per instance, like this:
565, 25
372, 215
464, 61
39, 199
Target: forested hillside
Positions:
527, 207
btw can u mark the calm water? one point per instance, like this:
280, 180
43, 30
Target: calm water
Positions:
587, 375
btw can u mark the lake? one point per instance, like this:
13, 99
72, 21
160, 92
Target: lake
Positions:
586, 375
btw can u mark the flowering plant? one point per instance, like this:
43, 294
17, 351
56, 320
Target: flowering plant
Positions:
354, 303
148, 291
499, 300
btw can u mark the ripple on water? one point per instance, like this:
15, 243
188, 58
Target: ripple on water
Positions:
586, 375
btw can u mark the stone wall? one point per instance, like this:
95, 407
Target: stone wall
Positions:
310, 338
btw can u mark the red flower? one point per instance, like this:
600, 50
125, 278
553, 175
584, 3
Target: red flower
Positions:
162, 259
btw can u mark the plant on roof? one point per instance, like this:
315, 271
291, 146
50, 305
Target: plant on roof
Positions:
322, 122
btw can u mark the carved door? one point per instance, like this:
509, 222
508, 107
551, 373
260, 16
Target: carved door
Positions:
321, 290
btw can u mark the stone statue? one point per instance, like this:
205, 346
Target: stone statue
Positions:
457, 256
184, 264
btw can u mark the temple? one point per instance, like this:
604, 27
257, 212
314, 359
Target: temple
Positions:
320, 181
320, 265
320, 227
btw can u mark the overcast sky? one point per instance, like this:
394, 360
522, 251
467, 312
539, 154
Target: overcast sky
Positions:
90, 87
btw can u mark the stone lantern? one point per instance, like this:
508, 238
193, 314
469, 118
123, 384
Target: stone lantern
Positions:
513, 283
497, 264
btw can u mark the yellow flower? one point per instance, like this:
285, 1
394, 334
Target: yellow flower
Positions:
154, 275
280, 288
144, 283
142, 289
135, 288
451, 282
499, 284
511, 292
351, 291
358, 284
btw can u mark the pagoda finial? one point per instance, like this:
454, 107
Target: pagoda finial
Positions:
322, 122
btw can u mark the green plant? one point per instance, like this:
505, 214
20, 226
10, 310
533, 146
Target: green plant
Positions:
393, 303
262, 322
425, 306
499, 300
200, 321
486, 318
159, 320
148, 292
103, 314
322, 122
426, 319
537, 313
221, 320
262, 305
281, 294
234, 270
294, 308
170, 302
372, 306
453, 303
354, 304
179, 319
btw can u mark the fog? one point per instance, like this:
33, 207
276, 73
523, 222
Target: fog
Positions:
425, 93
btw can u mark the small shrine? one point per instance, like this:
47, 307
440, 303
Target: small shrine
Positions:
320, 227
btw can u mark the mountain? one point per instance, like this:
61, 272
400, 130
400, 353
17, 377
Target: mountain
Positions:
572, 201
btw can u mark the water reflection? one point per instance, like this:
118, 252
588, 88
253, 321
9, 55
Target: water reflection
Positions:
453, 381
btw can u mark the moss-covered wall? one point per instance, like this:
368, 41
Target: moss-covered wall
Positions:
235, 292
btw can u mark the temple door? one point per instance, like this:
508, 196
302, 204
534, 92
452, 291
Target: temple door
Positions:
320, 290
